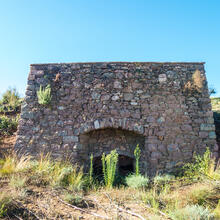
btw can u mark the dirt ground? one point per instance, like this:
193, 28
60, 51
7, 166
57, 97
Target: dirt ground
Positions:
45, 203
6, 144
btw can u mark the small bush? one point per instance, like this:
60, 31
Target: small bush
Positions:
136, 181
109, 164
8, 125
10, 101
194, 212
203, 166
44, 95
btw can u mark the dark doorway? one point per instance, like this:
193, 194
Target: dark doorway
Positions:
125, 165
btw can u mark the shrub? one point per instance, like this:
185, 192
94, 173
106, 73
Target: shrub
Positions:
137, 154
8, 125
109, 164
10, 101
194, 212
136, 181
203, 166
44, 95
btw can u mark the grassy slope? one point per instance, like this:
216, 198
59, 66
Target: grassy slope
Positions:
215, 104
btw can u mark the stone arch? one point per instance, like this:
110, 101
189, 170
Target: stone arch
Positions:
124, 123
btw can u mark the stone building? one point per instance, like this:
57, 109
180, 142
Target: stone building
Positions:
98, 107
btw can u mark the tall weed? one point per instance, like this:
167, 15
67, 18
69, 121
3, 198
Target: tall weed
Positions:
91, 170
109, 164
137, 154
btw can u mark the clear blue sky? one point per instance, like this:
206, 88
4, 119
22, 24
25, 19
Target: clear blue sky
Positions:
44, 31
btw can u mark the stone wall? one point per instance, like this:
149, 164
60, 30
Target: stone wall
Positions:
217, 126
97, 107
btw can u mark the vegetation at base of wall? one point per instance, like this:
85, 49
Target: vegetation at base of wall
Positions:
202, 167
8, 125
109, 163
164, 194
10, 101
44, 95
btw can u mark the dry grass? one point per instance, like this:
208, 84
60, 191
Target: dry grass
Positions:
47, 189
13, 164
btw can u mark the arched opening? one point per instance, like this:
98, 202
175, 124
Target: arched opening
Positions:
101, 141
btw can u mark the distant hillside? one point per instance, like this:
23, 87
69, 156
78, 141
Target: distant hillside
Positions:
215, 104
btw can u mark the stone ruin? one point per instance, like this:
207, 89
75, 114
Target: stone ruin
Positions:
98, 107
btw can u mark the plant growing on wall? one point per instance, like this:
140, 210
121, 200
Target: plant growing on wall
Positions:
137, 154
44, 95
109, 164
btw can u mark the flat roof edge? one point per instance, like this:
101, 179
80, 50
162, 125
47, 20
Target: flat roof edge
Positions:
119, 62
